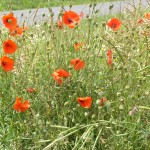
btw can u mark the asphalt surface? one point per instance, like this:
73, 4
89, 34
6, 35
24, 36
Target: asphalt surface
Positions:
32, 16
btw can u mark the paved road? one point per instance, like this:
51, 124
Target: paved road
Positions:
36, 15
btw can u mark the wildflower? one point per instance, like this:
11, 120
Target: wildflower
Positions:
71, 19
60, 24
103, 101
85, 101
147, 16
31, 90
109, 57
17, 30
9, 46
77, 46
9, 20
114, 23
59, 74
21, 106
7, 63
78, 64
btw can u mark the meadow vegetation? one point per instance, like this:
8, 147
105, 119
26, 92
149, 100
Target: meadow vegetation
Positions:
76, 84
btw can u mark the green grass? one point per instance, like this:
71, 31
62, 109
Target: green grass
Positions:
28, 4
55, 120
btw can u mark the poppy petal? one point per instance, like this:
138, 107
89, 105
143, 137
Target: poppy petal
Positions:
9, 20
70, 19
85, 102
78, 64
21, 107
114, 23
9, 46
7, 63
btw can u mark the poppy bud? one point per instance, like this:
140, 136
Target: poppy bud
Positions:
90, 5
103, 24
97, 36
111, 6
96, 11
60, 14
31, 35
95, 4
70, 5
45, 22
90, 19
87, 16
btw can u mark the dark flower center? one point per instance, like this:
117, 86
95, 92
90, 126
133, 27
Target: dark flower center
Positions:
9, 21
4, 63
70, 20
8, 45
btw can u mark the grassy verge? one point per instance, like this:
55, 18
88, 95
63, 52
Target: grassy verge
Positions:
55, 119
27, 4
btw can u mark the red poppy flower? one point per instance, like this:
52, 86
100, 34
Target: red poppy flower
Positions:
17, 30
85, 101
31, 90
9, 20
114, 23
77, 46
58, 74
71, 19
60, 24
9, 46
109, 57
78, 64
21, 106
103, 101
147, 16
7, 63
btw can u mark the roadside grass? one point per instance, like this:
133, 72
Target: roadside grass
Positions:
55, 119
28, 4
